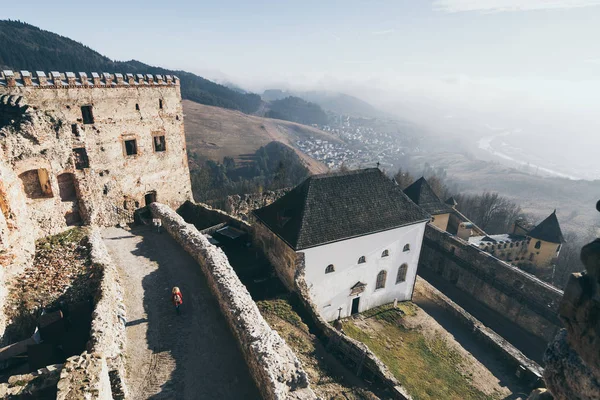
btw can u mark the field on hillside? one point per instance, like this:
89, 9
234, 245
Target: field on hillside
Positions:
214, 133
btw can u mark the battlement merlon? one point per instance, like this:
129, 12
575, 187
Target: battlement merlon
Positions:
54, 80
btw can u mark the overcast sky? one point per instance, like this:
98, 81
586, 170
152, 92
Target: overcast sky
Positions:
512, 57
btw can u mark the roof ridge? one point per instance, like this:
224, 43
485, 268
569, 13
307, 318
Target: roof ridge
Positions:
308, 182
342, 173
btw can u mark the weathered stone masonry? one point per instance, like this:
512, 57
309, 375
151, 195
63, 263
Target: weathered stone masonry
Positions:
273, 365
86, 149
522, 298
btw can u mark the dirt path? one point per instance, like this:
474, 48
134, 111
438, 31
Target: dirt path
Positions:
191, 356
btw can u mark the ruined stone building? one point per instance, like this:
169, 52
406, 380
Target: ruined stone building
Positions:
91, 149
355, 234
538, 246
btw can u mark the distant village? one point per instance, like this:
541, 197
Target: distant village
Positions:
360, 145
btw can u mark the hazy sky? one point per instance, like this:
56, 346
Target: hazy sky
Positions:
517, 59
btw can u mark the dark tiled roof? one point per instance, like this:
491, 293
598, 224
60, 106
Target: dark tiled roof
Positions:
332, 207
451, 201
421, 193
548, 230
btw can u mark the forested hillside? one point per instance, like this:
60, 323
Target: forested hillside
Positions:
297, 110
26, 47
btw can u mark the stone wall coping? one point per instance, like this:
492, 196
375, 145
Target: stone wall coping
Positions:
273, 365
56, 80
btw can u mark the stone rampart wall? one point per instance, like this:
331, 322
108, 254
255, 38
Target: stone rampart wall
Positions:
528, 371
241, 205
521, 297
203, 216
88, 374
273, 365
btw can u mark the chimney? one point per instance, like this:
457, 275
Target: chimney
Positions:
26, 76
84, 79
71, 80
42, 80
119, 79
96, 79
10, 78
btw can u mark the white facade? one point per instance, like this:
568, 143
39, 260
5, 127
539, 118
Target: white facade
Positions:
332, 291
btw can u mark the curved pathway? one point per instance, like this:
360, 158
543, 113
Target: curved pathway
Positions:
190, 356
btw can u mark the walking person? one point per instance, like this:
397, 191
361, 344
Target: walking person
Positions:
176, 298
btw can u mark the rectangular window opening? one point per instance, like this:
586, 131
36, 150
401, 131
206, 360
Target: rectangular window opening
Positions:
160, 104
131, 147
75, 129
159, 143
81, 158
87, 114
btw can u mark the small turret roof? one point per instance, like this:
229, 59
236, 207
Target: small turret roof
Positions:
548, 230
423, 195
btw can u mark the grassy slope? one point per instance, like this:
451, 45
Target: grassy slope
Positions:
427, 368
215, 132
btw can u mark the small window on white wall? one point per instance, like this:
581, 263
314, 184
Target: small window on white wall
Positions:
406, 247
330, 268
385, 253
380, 284
362, 260
401, 277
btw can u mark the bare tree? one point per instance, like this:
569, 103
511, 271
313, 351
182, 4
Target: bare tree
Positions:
403, 178
490, 211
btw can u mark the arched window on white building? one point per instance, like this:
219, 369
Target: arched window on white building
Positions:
406, 247
380, 284
330, 268
385, 253
362, 260
401, 277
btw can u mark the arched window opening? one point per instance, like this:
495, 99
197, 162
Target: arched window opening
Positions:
406, 247
36, 183
330, 268
362, 260
385, 253
380, 284
401, 277
538, 244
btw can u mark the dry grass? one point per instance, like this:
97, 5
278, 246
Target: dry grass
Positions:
214, 133
429, 368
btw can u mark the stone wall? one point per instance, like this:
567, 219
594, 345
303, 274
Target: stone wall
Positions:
527, 370
273, 365
57, 168
521, 297
38, 384
241, 205
573, 357
204, 216
84, 377
99, 372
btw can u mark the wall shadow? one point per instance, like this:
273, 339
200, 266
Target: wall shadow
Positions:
194, 354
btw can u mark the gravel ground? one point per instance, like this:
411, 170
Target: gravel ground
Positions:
190, 356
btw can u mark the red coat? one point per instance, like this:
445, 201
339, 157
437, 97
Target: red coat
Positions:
177, 301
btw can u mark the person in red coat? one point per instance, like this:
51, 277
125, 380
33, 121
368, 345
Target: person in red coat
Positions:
176, 298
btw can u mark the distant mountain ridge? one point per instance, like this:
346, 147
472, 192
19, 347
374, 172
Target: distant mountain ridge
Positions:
26, 47
297, 110
339, 103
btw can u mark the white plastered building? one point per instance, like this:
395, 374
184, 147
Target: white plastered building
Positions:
360, 234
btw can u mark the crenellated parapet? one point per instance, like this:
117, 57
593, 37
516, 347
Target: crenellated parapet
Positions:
54, 79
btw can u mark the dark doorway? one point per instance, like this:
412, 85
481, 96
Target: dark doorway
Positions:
355, 302
66, 187
150, 197
87, 114
81, 158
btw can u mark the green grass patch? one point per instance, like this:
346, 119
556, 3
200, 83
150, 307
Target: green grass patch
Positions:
73, 235
282, 309
428, 369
